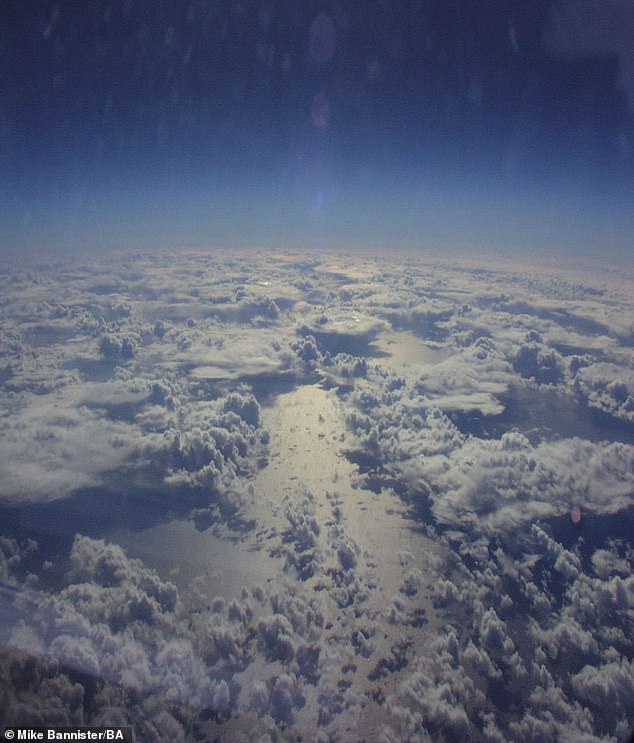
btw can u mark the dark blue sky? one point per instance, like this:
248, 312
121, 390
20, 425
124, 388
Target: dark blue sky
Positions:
309, 124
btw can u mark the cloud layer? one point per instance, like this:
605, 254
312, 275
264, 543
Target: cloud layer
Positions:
398, 442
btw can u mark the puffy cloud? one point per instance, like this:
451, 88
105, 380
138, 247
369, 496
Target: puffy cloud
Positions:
259, 697
91, 430
304, 533
477, 660
435, 695
76, 652
488, 484
535, 361
307, 350
95, 561
54, 448
472, 379
347, 324
286, 697
90, 625
493, 634
305, 615
608, 387
608, 688
567, 640
246, 353
34, 689
344, 546
117, 347
246, 406
535, 653
345, 366
605, 562
10, 557
277, 634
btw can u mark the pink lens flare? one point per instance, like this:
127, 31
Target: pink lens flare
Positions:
575, 515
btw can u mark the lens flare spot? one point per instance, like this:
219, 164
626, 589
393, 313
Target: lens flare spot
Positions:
575, 515
322, 39
320, 111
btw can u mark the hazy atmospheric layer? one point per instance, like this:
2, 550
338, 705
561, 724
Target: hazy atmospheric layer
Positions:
265, 496
317, 124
